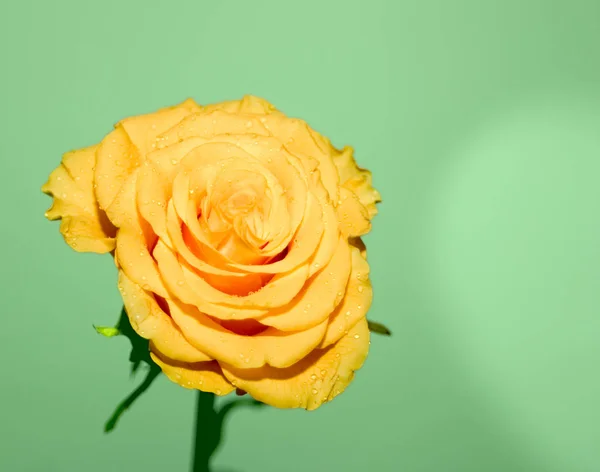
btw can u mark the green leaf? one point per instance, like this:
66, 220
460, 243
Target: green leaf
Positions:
139, 355
379, 328
107, 331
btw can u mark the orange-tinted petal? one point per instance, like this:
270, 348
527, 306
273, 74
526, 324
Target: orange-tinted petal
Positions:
280, 290
205, 376
312, 381
84, 226
174, 228
304, 244
318, 298
173, 276
273, 347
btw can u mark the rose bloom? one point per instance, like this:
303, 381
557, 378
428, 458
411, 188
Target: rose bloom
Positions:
236, 234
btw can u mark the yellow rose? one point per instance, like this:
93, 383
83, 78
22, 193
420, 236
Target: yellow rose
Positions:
236, 232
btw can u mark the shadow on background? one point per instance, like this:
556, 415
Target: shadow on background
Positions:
209, 418
209, 428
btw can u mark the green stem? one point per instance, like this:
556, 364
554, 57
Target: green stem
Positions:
209, 427
207, 432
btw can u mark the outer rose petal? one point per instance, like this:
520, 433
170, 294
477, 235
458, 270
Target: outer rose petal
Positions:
248, 104
209, 124
205, 376
151, 322
144, 129
356, 179
355, 304
353, 216
117, 159
133, 257
302, 141
312, 381
125, 148
84, 226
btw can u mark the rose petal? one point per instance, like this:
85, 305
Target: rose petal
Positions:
273, 347
304, 244
329, 240
312, 381
126, 148
134, 258
248, 104
356, 179
319, 296
155, 182
280, 290
353, 216
354, 305
303, 141
289, 173
207, 124
173, 276
205, 376
116, 159
149, 321
84, 225
123, 210
143, 130
176, 237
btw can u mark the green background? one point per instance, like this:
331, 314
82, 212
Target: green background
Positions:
481, 123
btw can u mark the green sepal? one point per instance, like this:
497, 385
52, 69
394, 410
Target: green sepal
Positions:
107, 331
378, 328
